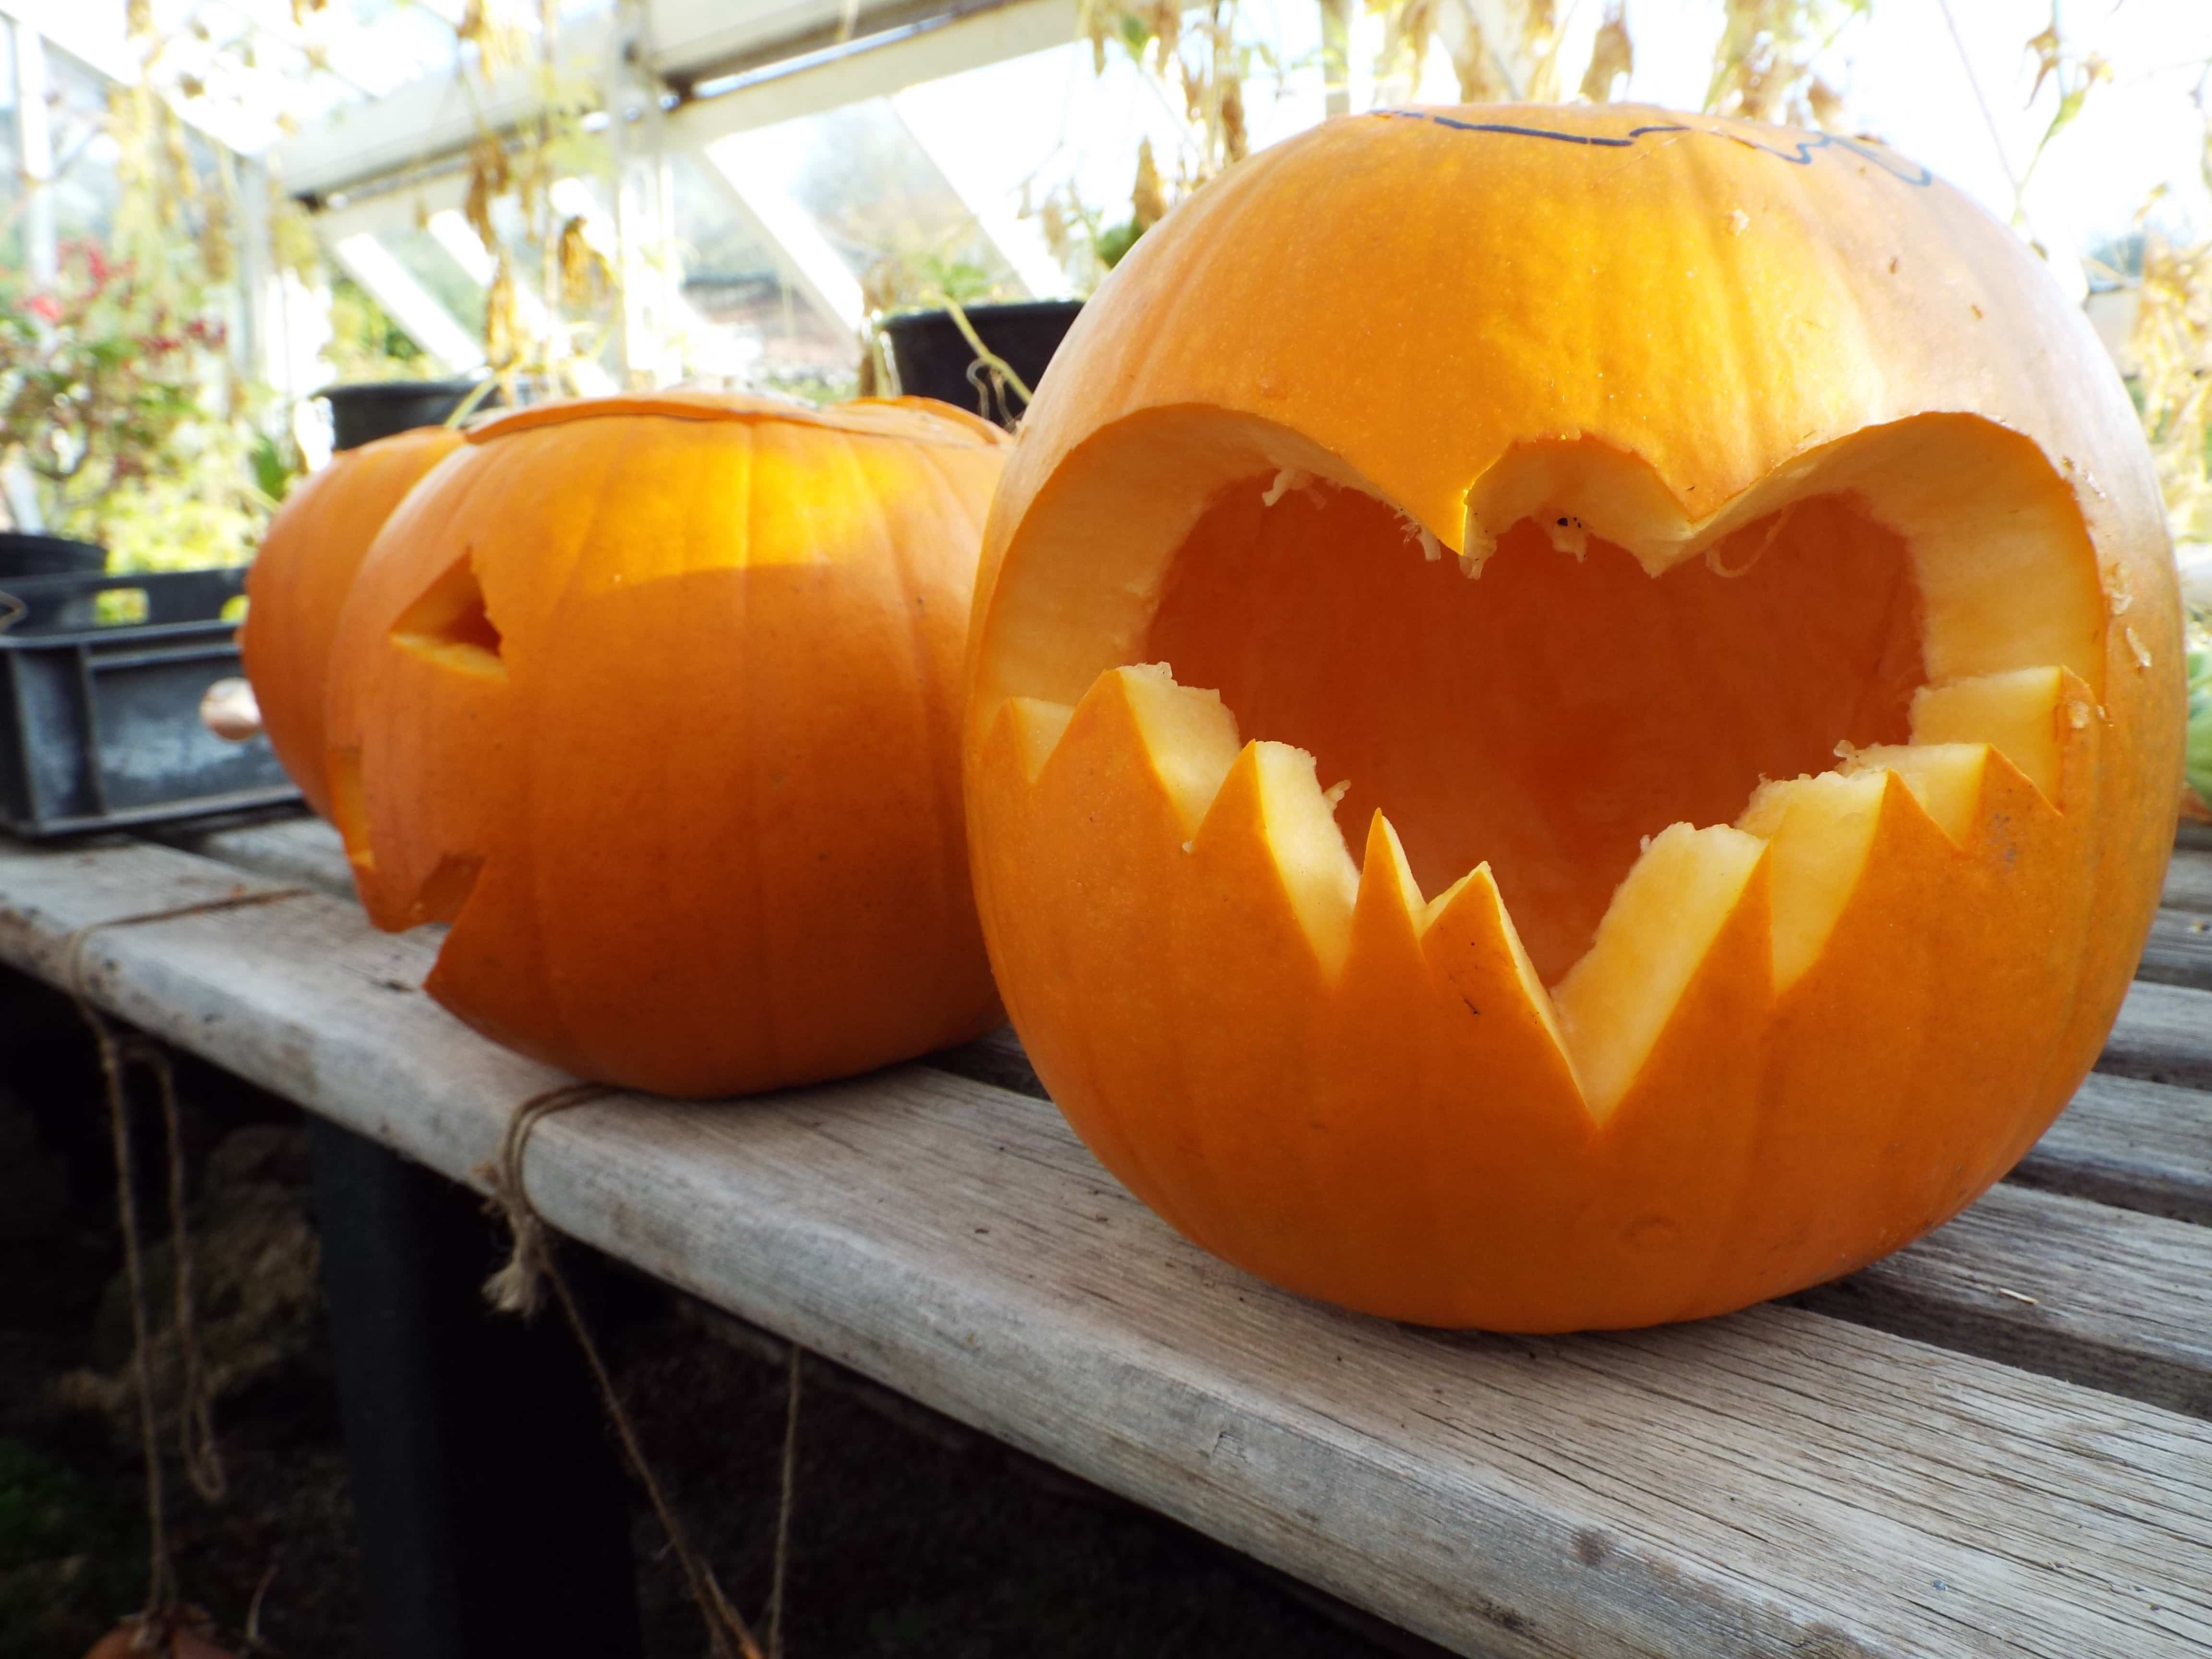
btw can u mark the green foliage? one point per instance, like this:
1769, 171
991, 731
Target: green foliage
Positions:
94, 380
276, 466
1113, 242
118, 403
365, 343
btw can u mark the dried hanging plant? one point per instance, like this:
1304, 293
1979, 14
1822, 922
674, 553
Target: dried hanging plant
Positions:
1205, 63
2170, 349
1518, 60
1201, 66
2073, 73
575, 286
1766, 66
1612, 56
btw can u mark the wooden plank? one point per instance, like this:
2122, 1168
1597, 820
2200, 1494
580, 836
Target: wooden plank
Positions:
2086, 1290
2139, 1145
2178, 951
2163, 1035
1774, 1482
2061, 1285
2189, 880
299, 850
2131, 1145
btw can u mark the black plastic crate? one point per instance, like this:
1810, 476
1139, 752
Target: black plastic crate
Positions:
100, 723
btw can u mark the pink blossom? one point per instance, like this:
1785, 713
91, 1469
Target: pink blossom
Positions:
45, 305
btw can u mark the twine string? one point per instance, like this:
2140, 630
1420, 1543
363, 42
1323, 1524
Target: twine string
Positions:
202, 1456
783, 1507
160, 1583
518, 1287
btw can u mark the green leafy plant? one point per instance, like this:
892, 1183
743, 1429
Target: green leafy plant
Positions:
99, 381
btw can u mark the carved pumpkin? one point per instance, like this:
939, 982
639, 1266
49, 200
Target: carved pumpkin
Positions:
1573, 712
299, 583
656, 700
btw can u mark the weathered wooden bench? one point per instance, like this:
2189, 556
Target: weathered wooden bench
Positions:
1995, 1443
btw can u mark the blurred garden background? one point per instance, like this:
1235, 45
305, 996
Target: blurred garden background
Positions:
210, 209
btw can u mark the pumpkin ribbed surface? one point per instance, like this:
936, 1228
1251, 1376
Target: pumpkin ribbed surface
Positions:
1573, 712
299, 583
655, 701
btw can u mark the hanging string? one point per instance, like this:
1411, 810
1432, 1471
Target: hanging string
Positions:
202, 1458
519, 1287
789, 1485
161, 1587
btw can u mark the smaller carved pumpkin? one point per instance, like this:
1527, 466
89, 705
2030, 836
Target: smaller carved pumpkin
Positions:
656, 700
299, 581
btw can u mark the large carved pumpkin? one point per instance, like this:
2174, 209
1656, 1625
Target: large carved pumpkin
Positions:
656, 700
1573, 712
299, 584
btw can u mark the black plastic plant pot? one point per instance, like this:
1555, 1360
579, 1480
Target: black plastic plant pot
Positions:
24, 554
363, 413
934, 360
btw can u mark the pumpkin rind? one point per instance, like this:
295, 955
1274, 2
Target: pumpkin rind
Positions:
299, 581
656, 702
1663, 329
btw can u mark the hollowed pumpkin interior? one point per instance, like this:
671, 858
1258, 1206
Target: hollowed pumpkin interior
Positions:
450, 625
1551, 716
1620, 710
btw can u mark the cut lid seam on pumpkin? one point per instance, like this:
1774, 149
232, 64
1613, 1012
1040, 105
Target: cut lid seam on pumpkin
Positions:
861, 418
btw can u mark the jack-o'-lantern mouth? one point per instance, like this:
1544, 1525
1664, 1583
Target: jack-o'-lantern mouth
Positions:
1613, 712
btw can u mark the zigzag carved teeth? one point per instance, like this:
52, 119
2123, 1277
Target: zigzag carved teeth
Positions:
2030, 715
1190, 735
1616, 1000
1806, 842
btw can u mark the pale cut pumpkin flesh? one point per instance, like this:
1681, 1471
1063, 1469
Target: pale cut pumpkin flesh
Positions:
1637, 744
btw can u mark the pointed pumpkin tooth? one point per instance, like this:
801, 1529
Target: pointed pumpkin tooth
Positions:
1190, 734
1475, 949
2025, 715
1664, 916
1387, 886
1034, 728
1945, 779
1271, 803
1386, 979
1819, 831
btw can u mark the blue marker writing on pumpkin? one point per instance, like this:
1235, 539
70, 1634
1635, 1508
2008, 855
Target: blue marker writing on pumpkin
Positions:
1801, 155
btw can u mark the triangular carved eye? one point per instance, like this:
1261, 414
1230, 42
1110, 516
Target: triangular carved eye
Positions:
450, 624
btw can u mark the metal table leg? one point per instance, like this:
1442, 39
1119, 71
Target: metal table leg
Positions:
491, 1507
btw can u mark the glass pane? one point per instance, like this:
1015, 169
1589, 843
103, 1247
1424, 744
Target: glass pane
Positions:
420, 255
753, 326
892, 218
84, 156
1044, 148
11, 164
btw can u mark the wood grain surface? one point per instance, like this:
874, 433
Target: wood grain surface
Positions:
1778, 1482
